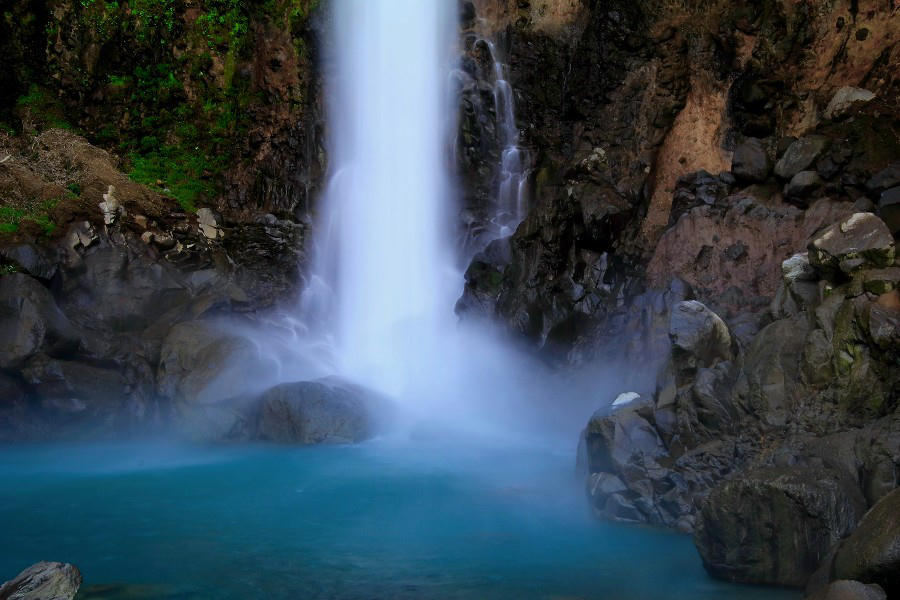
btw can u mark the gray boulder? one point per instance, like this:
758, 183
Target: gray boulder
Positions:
872, 553
43, 581
327, 411
36, 261
848, 590
775, 525
800, 155
210, 375
803, 184
861, 240
699, 336
30, 321
751, 162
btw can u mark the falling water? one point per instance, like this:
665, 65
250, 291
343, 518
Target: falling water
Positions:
512, 198
384, 275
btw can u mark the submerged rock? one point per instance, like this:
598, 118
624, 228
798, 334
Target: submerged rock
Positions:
327, 411
43, 581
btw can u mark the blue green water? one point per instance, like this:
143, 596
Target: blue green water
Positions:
378, 521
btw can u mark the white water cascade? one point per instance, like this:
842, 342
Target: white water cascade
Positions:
512, 192
385, 281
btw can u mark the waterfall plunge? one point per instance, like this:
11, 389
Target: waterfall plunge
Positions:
385, 281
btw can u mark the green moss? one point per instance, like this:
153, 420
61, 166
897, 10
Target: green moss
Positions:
11, 217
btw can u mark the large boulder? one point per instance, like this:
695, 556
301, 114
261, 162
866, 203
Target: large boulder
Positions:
861, 240
327, 411
872, 553
30, 321
699, 336
800, 155
43, 581
775, 525
210, 374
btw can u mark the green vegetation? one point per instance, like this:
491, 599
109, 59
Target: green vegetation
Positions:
11, 217
42, 108
167, 88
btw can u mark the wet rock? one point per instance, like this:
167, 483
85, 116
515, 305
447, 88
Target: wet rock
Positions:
849, 590
43, 581
751, 161
30, 321
68, 390
800, 155
860, 240
872, 553
844, 100
319, 412
699, 334
774, 525
884, 326
803, 184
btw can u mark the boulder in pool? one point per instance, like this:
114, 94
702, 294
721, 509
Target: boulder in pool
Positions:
325, 411
43, 581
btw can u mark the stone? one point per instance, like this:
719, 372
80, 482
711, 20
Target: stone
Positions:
751, 162
800, 155
209, 224
884, 326
881, 281
862, 236
775, 525
110, 207
803, 184
326, 411
884, 179
43, 581
844, 100
30, 321
872, 553
37, 261
844, 589
889, 209
698, 334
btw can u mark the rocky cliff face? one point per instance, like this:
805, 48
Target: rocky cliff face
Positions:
706, 183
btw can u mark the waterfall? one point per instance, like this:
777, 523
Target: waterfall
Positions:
384, 278
512, 175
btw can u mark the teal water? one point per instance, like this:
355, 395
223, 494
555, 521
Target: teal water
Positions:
377, 521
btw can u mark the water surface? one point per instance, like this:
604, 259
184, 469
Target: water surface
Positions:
380, 520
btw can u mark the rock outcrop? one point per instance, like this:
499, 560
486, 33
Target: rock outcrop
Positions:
43, 581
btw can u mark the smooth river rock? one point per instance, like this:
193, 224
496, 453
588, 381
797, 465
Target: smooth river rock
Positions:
326, 411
